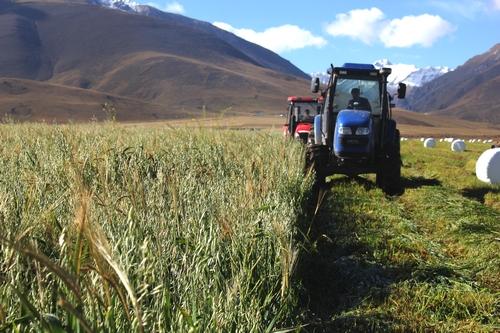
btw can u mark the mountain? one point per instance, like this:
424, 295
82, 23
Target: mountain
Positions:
410, 74
424, 75
469, 92
260, 55
152, 58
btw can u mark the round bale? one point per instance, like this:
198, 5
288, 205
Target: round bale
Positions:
429, 143
458, 145
488, 166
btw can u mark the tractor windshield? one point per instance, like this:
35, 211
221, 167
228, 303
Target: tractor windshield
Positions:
368, 89
306, 111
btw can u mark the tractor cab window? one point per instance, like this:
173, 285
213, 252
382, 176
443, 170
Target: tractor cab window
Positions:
305, 112
367, 90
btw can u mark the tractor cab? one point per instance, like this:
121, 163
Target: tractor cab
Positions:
300, 116
354, 132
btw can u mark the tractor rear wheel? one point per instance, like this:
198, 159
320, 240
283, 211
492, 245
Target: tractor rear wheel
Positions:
389, 174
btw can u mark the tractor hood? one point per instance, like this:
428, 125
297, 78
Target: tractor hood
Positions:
351, 143
354, 118
303, 128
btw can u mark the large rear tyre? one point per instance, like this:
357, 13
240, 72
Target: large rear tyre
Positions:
388, 177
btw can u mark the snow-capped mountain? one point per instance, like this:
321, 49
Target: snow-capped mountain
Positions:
424, 75
399, 71
409, 74
125, 5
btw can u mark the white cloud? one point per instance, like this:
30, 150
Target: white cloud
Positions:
370, 25
278, 39
421, 30
175, 7
496, 4
361, 24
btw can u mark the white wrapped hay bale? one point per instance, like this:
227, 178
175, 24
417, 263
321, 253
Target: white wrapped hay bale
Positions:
488, 166
440, 140
429, 143
422, 139
458, 145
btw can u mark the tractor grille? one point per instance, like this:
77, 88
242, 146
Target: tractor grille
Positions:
353, 140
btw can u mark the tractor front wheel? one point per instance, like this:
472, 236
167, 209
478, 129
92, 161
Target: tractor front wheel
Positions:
316, 160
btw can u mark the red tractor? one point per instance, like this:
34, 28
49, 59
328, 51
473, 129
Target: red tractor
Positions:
300, 117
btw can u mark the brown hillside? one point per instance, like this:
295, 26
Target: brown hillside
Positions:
154, 61
469, 92
433, 124
22, 99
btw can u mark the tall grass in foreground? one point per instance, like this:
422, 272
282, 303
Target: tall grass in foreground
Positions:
110, 229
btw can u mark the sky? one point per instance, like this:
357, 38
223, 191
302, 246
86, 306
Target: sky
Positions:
313, 35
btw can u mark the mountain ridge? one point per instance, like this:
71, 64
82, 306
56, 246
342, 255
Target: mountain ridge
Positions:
469, 92
257, 53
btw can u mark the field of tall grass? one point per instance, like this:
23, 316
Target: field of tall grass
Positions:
105, 228
109, 229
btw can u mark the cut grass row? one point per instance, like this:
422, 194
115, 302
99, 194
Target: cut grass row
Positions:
425, 261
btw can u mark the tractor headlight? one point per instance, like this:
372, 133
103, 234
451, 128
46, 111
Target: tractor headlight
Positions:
345, 130
362, 131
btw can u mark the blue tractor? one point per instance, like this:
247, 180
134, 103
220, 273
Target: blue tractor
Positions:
354, 133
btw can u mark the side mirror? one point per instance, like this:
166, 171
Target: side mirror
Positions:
401, 90
315, 85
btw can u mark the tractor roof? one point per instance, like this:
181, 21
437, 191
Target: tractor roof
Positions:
360, 69
302, 99
366, 67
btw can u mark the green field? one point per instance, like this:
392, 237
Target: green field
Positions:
112, 229
423, 262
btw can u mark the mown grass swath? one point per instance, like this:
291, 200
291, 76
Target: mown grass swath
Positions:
112, 229
426, 261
